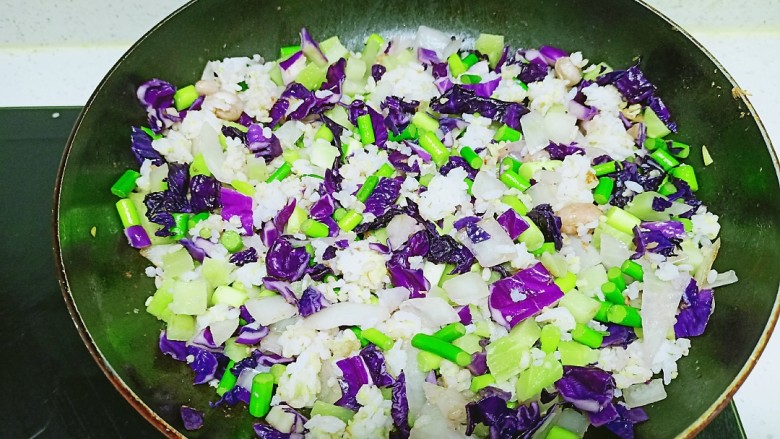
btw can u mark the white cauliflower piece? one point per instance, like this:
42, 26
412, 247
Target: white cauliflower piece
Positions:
373, 419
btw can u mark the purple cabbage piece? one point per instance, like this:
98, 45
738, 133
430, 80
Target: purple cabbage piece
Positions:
231, 131
589, 389
401, 162
355, 375
543, 216
513, 223
278, 112
399, 408
660, 204
375, 362
582, 111
322, 208
264, 431
417, 245
458, 162
156, 96
204, 194
377, 71
645, 173
311, 49
461, 223
259, 358
205, 340
141, 147
483, 89
176, 349
311, 301
204, 364
465, 315
685, 194
161, 205
459, 100
358, 108
252, 333
232, 397
478, 364
244, 257
424, 155
237, 204
618, 335
475, 233
661, 237
263, 142
272, 229
137, 237
696, 308
439, 70
623, 425
559, 152
281, 287
505, 58
244, 314
193, 249
449, 124
443, 84
399, 113
552, 54
379, 248
604, 416
503, 421
637, 89
384, 195
532, 72
334, 80
409, 278
191, 418
286, 262
527, 292
334, 128
427, 56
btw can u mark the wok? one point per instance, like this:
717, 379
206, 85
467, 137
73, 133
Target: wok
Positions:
103, 279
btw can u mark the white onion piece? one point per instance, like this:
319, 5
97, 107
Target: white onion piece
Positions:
450, 402
207, 143
222, 330
346, 314
498, 249
155, 253
487, 187
245, 377
613, 251
289, 133
642, 394
561, 127
534, 132
414, 381
723, 279
433, 311
268, 310
436, 40
400, 228
392, 298
466, 288
709, 253
659, 307
271, 343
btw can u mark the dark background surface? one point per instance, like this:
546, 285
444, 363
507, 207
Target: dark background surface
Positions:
52, 387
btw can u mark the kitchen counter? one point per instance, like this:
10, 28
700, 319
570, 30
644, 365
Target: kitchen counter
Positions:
55, 54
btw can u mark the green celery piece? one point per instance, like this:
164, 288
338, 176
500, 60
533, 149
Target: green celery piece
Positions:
576, 354
469, 343
582, 307
333, 49
296, 219
532, 237
641, 206
190, 297
312, 76
339, 115
216, 271
177, 263
655, 126
236, 351
158, 306
505, 355
180, 327
490, 45
602, 228
228, 296
325, 409
532, 380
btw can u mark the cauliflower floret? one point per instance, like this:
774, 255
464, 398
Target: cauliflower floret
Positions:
325, 427
174, 147
547, 93
454, 376
359, 264
402, 324
606, 99
607, 133
296, 338
373, 419
343, 345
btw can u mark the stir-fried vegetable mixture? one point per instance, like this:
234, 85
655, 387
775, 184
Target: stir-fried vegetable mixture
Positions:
425, 238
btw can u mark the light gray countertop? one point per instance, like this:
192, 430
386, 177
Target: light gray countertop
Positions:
55, 54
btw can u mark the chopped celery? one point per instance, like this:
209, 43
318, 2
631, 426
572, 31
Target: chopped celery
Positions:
371, 50
228, 296
339, 115
158, 305
180, 327
622, 220
296, 219
592, 279
275, 74
177, 262
277, 370
216, 271
567, 282
655, 126
198, 166
355, 69
532, 380
469, 343
582, 307
236, 351
190, 297
333, 49
555, 264
312, 76
576, 354
256, 169
427, 361
532, 237
480, 382
641, 206
380, 234
549, 338
490, 45
509, 355
625, 238
324, 409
